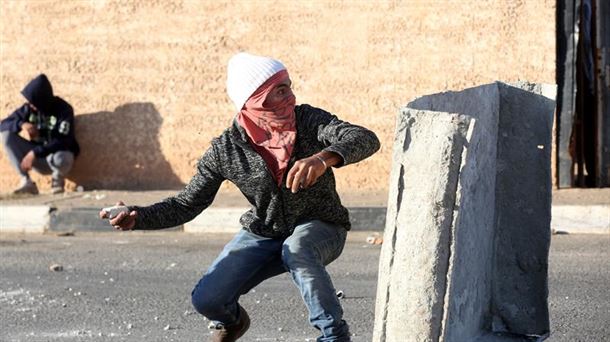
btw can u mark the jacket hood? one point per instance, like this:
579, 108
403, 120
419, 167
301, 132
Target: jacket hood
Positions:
39, 92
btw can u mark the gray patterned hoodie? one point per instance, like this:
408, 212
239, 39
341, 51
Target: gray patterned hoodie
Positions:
275, 209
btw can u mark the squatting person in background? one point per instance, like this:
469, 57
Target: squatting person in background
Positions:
281, 157
48, 123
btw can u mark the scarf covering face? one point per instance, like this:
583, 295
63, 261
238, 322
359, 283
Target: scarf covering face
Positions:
272, 130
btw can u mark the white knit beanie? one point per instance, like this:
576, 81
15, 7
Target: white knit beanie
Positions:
246, 73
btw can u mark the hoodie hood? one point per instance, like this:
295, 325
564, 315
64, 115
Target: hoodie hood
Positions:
39, 93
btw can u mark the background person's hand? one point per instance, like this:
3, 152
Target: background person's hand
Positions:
123, 221
27, 161
30, 130
304, 173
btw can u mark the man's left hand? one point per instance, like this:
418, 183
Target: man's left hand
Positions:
304, 173
28, 161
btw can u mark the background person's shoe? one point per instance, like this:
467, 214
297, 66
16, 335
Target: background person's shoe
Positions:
231, 333
28, 187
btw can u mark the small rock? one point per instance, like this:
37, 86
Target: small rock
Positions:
280, 329
374, 240
167, 327
56, 268
129, 326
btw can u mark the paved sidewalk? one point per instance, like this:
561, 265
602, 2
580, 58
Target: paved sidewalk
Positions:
574, 211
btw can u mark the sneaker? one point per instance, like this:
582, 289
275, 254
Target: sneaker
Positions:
28, 187
231, 333
57, 186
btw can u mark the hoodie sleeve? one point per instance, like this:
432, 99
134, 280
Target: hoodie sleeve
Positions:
188, 203
353, 143
62, 134
13, 122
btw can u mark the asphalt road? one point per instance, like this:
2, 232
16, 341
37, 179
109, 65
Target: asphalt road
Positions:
136, 287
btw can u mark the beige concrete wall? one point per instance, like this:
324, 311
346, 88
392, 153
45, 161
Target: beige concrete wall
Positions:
147, 78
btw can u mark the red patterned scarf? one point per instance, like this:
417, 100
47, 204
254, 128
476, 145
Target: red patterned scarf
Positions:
272, 130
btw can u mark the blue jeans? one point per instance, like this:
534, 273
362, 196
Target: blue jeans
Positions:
249, 259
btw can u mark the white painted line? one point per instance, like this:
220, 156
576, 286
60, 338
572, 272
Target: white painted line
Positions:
24, 218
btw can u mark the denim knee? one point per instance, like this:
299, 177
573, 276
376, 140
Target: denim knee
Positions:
62, 161
295, 256
206, 303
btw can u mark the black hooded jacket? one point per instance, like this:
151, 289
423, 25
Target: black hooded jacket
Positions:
53, 117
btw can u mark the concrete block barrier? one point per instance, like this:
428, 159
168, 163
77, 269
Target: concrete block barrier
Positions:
468, 220
415, 254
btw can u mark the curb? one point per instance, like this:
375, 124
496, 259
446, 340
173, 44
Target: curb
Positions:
578, 219
24, 219
226, 220
77, 219
216, 220
37, 219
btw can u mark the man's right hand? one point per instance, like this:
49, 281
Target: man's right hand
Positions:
30, 130
123, 221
